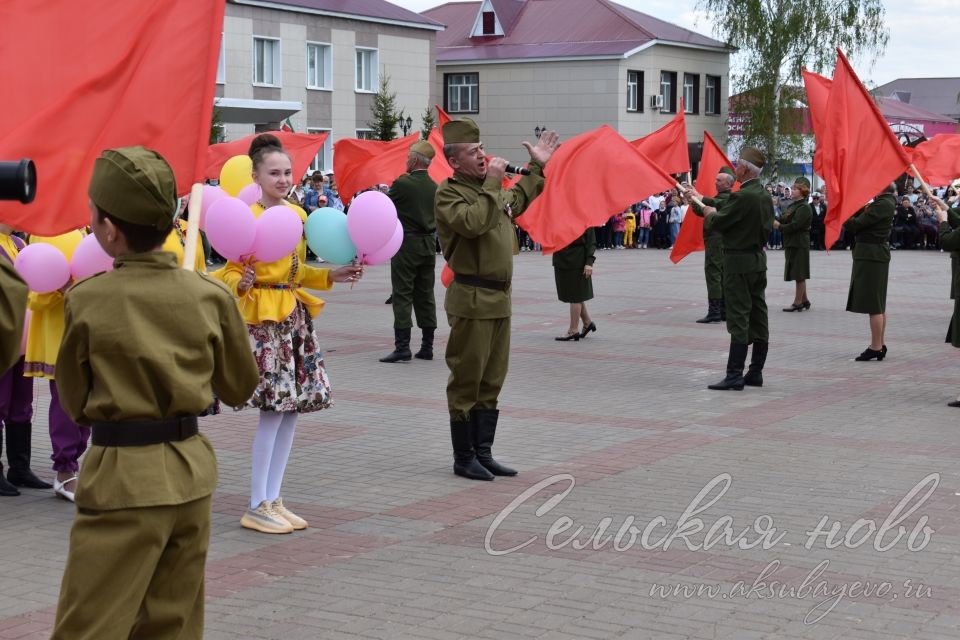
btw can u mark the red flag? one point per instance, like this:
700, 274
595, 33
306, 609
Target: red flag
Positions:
439, 168
84, 77
938, 159
667, 146
599, 158
861, 155
443, 116
302, 147
818, 92
690, 238
361, 164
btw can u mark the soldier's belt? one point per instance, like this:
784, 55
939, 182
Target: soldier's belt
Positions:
139, 434
741, 252
275, 285
473, 281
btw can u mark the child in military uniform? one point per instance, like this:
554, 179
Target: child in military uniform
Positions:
145, 346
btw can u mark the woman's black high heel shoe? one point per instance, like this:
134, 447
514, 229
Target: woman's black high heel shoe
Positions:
806, 304
872, 354
587, 329
575, 336
794, 307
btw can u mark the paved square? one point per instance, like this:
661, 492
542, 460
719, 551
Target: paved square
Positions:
397, 546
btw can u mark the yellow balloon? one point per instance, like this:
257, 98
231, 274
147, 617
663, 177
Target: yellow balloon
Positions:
67, 242
236, 174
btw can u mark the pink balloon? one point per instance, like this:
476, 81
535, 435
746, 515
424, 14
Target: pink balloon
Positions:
89, 258
371, 221
250, 193
43, 266
26, 331
388, 250
231, 228
279, 230
210, 195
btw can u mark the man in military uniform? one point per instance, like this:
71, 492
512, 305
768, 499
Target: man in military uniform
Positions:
713, 256
412, 268
744, 221
145, 347
475, 222
13, 309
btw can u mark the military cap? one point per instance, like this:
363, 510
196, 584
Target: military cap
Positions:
136, 185
753, 156
802, 182
424, 148
463, 130
728, 171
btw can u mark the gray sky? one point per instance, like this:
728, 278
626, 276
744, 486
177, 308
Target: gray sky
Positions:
921, 43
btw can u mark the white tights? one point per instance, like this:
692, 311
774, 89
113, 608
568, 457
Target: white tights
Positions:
271, 449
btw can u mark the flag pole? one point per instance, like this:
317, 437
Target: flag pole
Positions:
923, 183
193, 227
694, 198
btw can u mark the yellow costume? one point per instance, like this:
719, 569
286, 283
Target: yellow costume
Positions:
631, 220
176, 241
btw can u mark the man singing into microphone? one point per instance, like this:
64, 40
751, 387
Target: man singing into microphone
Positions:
475, 224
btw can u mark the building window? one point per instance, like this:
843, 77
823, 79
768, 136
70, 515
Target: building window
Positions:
489, 23
368, 77
366, 134
691, 93
712, 98
323, 161
221, 63
634, 90
318, 66
266, 61
462, 92
668, 91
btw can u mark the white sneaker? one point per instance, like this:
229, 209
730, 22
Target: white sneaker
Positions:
295, 521
265, 520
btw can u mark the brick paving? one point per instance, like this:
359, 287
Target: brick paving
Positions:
397, 546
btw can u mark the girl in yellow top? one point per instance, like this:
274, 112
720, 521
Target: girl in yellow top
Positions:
279, 315
16, 404
44, 333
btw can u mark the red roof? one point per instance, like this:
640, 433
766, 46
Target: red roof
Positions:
377, 9
554, 28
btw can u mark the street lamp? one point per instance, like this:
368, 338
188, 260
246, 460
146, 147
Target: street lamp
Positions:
406, 125
538, 130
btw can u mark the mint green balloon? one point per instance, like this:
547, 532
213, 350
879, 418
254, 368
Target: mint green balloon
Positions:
327, 236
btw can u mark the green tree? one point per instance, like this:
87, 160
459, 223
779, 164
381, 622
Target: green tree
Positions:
776, 39
216, 126
384, 112
429, 122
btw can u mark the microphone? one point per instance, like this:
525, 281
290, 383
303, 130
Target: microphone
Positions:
510, 168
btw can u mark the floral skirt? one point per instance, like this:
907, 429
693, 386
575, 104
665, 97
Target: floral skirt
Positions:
292, 375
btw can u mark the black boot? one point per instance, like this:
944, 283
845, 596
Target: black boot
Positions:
723, 309
18, 455
758, 358
401, 352
426, 346
713, 312
484, 432
6, 489
735, 363
464, 459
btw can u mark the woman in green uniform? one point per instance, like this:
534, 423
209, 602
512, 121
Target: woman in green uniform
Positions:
573, 271
871, 266
794, 223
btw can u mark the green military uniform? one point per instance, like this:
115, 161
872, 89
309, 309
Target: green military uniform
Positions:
13, 308
568, 264
146, 342
713, 254
475, 224
950, 241
412, 269
871, 255
795, 225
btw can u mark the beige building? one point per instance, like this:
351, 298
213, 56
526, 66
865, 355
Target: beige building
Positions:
319, 63
572, 65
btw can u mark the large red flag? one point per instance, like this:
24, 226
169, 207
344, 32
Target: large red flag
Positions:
691, 231
81, 77
439, 169
667, 146
818, 92
861, 155
302, 147
938, 159
600, 158
361, 164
